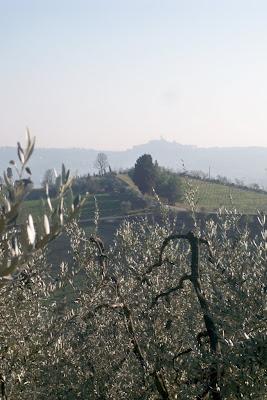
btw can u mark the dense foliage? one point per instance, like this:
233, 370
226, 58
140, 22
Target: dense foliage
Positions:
144, 173
149, 176
154, 316
168, 185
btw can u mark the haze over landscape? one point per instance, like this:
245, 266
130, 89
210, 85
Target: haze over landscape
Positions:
247, 164
133, 230
113, 74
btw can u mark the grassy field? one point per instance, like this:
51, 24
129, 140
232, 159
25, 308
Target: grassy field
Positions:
33, 207
109, 205
212, 196
129, 182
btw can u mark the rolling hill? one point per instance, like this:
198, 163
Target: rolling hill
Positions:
244, 163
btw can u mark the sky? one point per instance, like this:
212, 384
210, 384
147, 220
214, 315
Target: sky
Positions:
110, 74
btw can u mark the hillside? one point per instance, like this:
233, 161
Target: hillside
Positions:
245, 163
209, 197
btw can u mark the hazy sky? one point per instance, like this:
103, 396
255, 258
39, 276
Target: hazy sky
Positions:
109, 74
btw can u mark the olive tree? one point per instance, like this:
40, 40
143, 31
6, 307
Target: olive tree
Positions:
162, 313
27, 303
196, 328
19, 242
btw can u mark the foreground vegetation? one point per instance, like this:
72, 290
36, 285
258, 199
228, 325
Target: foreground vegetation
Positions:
159, 314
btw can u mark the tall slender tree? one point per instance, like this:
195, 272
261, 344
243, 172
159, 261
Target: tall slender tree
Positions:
144, 175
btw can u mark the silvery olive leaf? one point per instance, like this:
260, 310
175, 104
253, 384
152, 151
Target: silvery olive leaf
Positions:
21, 153
46, 225
31, 230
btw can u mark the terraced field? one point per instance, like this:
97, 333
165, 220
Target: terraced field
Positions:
211, 196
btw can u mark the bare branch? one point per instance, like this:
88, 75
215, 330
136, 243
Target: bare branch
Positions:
171, 290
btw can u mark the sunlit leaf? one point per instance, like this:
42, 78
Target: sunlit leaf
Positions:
46, 225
